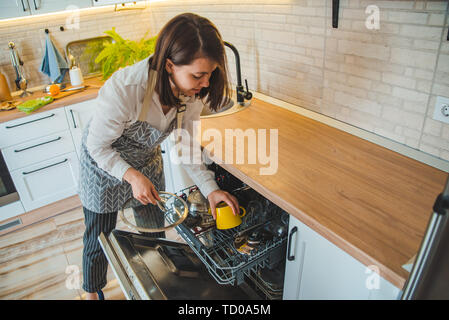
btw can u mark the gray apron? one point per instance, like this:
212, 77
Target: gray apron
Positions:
139, 146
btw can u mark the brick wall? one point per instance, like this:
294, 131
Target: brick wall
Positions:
29, 36
383, 80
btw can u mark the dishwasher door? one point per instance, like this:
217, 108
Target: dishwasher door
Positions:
159, 269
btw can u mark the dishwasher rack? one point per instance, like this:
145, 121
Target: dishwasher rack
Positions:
215, 248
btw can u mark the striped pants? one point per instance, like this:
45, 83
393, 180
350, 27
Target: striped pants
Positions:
95, 264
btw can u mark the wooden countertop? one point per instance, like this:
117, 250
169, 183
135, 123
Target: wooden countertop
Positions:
370, 201
93, 85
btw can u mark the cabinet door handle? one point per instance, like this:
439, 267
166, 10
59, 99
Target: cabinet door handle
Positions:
51, 165
35, 6
289, 256
73, 119
37, 145
23, 6
21, 124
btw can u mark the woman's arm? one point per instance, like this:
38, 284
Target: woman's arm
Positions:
203, 178
112, 113
143, 188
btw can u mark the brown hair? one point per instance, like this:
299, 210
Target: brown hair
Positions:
183, 39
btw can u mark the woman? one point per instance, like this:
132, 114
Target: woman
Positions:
139, 106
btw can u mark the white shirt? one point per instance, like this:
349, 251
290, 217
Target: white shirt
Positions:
119, 103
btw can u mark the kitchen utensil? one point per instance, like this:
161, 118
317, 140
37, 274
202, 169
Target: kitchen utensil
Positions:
17, 63
241, 233
207, 220
254, 238
241, 245
161, 205
5, 93
276, 228
74, 88
198, 230
199, 206
71, 59
67, 92
226, 219
197, 202
192, 221
173, 211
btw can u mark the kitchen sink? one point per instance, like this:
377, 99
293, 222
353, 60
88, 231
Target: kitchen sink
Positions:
228, 109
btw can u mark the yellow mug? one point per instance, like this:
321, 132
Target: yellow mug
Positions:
225, 218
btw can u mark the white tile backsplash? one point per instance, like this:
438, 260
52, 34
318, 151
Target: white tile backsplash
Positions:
384, 81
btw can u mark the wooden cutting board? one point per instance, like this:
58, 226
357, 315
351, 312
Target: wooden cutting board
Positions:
67, 93
9, 105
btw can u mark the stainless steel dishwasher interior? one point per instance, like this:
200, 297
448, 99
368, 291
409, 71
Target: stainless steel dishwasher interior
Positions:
210, 265
158, 269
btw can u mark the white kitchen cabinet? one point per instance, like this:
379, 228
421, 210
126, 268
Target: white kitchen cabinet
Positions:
21, 8
109, 2
169, 185
14, 8
78, 116
47, 181
33, 126
294, 260
47, 6
39, 149
11, 210
317, 269
40, 156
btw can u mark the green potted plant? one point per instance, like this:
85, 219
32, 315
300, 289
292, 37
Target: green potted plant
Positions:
120, 52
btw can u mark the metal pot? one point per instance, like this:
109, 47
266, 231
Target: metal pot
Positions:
197, 203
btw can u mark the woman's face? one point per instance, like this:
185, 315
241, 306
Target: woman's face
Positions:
190, 79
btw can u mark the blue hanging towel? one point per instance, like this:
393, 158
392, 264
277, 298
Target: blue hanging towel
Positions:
53, 64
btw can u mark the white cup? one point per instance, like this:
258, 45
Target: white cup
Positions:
76, 78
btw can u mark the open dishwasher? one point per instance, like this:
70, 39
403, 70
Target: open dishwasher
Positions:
245, 262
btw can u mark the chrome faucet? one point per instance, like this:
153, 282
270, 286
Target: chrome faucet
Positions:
241, 93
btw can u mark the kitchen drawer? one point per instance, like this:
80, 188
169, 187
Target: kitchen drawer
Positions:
37, 150
47, 181
31, 127
11, 210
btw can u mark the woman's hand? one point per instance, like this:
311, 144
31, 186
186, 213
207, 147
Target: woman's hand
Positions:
217, 196
143, 188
